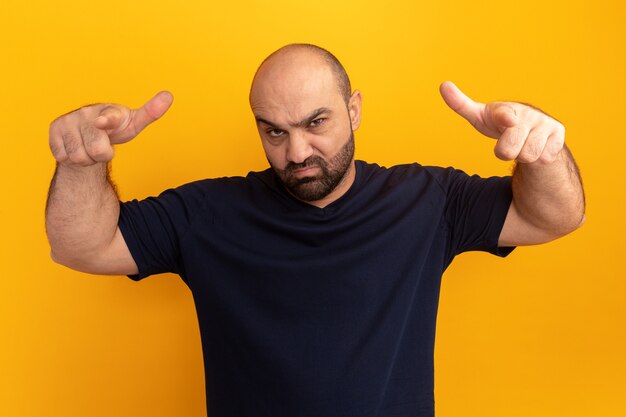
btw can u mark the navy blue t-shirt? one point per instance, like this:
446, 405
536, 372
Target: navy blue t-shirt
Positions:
307, 311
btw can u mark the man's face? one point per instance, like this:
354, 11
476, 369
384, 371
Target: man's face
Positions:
306, 128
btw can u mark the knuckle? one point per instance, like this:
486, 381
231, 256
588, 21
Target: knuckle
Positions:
53, 136
80, 158
559, 136
85, 111
94, 139
71, 142
560, 130
58, 150
560, 126
524, 159
530, 153
65, 121
505, 153
94, 147
55, 143
556, 143
98, 150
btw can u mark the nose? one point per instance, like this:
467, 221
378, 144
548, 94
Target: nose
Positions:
298, 148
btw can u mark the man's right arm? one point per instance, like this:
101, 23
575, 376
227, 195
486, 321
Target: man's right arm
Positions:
81, 220
82, 210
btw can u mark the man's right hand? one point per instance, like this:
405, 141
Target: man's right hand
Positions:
85, 136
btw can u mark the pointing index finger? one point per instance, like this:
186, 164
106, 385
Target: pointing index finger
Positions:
460, 103
123, 124
152, 110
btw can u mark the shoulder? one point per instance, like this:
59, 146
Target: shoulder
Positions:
223, 185
197, 195
256, 188
371, 171
411, 173
450, 179
446, 180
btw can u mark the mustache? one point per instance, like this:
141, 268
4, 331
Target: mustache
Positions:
313, 160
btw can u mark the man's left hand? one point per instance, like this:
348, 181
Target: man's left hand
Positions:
524, 133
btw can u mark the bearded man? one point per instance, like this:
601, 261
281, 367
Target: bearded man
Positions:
316, 282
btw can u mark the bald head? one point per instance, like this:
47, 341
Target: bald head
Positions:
304, 58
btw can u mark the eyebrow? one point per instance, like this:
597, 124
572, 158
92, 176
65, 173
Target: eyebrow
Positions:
302, 123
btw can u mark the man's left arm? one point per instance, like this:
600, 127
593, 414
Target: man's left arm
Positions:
548, 198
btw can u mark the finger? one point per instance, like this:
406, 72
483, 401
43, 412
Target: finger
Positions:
56, 145
97, 143
151, 111
75, 149
460, 103
503, 115
534, 145
510, 143
553, 147
113, 118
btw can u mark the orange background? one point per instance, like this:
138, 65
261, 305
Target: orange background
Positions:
538, 334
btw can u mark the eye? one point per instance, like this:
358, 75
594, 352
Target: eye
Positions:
317, 122
275, 132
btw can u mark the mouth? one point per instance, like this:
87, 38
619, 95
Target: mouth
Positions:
305, 171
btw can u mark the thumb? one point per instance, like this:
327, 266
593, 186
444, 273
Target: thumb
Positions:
460, 103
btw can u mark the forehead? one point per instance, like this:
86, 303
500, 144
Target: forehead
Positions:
287, 90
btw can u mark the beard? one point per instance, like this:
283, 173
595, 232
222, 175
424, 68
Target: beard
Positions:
317, 187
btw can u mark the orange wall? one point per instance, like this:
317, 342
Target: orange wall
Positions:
538, 334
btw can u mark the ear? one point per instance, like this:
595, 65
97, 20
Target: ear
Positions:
354, 109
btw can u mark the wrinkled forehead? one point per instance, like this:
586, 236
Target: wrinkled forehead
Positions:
287, 91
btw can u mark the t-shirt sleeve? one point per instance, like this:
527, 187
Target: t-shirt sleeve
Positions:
153, 228
475, 211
